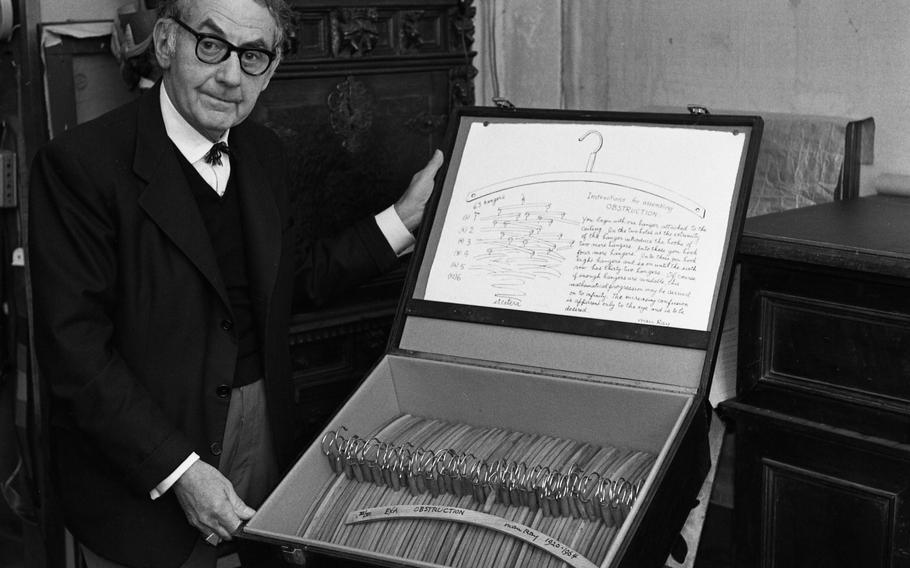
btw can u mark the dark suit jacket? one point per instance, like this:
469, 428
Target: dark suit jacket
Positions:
132, 323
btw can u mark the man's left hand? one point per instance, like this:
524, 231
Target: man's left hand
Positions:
411, 204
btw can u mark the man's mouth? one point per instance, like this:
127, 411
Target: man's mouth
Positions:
220, 101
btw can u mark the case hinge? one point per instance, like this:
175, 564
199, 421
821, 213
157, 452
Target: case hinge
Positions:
293, 555
503, 103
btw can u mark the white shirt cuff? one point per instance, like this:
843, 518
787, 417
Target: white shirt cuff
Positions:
170, 480
400, 238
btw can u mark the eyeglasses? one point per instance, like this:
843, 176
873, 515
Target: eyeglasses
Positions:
213, 50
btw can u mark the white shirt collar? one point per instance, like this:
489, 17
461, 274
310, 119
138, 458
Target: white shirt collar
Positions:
188, 140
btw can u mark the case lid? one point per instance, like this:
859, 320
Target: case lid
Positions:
592, 242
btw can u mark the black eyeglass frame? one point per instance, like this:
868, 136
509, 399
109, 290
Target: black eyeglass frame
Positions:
231, 48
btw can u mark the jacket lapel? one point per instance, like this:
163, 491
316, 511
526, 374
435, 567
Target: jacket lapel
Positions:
167, 198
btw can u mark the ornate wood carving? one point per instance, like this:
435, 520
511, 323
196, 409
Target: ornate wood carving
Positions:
462, 18
292, 36
361, 99
410, 30
462, 39
354, 31
461, 80
350, 112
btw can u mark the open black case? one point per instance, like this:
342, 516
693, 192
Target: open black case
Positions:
569, 281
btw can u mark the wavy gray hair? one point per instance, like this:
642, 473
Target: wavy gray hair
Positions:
279, 10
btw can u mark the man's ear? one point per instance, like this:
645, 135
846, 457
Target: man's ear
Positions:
164, 39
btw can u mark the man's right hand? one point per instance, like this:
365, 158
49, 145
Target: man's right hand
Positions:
209, 501
410, 205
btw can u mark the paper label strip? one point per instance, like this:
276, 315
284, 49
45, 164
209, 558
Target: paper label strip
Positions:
459, 515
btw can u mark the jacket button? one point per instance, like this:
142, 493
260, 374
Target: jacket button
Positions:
223, 391
215, 448
227, 325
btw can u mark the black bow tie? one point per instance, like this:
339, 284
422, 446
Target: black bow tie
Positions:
213, 156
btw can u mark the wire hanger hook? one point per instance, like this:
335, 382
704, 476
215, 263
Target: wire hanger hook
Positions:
593, 156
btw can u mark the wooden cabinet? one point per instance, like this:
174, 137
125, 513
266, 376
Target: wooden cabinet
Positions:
822, 412
361, 100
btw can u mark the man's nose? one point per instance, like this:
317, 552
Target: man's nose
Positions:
229, 70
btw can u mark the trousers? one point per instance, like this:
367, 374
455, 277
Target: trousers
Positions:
247, 461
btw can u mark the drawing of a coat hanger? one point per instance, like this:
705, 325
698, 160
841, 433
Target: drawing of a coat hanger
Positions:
590, 176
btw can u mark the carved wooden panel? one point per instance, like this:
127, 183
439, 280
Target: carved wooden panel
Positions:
329, 358
361, 100
814, 519
806, 496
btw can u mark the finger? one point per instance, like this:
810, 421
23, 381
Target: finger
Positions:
223, 519
432, 166
220, 529
436, 159
226, 534
230, 515
241, 509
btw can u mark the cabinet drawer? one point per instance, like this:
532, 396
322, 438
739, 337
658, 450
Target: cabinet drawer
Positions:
828, 334
838, 348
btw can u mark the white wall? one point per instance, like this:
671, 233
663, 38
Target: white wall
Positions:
62, 10
833, 57
836, 57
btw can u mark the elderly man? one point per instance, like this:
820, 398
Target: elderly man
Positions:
163, 277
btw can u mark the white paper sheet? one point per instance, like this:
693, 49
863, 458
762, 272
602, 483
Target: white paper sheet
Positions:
606, 221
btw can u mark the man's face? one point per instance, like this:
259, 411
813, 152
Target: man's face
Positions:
214, 97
